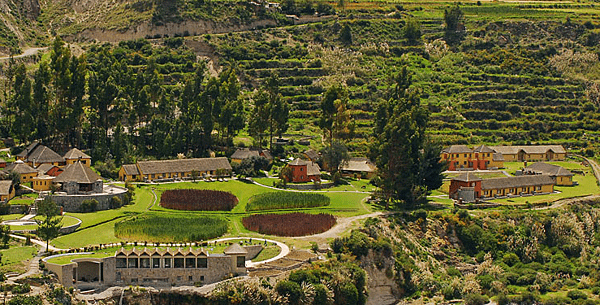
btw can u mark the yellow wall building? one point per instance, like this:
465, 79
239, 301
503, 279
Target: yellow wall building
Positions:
171, 169
532, 152
42, 183
7, 191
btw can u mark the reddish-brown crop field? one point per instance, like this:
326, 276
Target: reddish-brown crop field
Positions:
198, 200
292, 224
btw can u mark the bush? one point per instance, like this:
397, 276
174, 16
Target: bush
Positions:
577, 295
289, 289
115, 202
293, 224
510, 259
476, 299
20, 289
89, 205
286, 200
198, 200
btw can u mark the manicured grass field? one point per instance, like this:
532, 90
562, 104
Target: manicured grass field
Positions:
98, 227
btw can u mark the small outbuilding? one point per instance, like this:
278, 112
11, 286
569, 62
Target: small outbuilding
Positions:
305, 171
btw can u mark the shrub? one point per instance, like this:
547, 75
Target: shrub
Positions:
89, 205
115, 202
293, 224
198, 200
510, 259
476, 299
289, 289
286, 200
576, 295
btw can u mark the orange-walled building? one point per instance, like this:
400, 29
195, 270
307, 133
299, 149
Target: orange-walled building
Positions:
462, 157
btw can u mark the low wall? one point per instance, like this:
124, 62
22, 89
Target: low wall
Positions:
310, 186
72, 203
70, 229
476, 206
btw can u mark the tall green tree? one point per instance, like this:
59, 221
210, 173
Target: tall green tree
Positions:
50, 224
259, 116
335, 120
412, 31
335, 156
399, 137
453, 18
22, 105
41, 96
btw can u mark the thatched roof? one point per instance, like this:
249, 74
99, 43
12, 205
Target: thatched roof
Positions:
40, 154
131, 169
548, 169
79, 173
234, 249
183, 165
5, 187
513, 182
75, 153
247, 153
20, 167
312, 168
529, 149
359, 165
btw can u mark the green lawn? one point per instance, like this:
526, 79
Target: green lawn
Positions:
98, 227
12, 258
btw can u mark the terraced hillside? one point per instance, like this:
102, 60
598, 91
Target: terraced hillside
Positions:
501, 83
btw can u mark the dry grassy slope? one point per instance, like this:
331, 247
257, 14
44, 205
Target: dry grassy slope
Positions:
17, 24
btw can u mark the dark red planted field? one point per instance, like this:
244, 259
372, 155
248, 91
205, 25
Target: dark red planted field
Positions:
198, 200
292, 224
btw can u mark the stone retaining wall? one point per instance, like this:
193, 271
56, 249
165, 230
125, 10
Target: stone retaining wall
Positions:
72, 203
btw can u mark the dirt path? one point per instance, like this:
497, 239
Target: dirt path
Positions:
343, 224
27, 52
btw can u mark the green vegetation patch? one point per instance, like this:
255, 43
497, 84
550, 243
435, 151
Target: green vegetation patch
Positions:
286, 200
170, 227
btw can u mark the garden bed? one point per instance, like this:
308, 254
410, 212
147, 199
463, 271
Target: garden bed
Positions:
286, 200
170, 228
293, 224
198, 200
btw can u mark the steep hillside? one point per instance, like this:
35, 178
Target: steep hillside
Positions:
18, 26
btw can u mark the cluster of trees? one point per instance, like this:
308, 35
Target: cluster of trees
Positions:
407, 161
124, 101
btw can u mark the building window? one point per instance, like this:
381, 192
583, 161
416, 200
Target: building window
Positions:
167, 262
241, 261
121, 262
202, 262
179, 278
539, 188
178, 262
190, 262
190, 278
145, 262
132, 262
156, 262
202, 278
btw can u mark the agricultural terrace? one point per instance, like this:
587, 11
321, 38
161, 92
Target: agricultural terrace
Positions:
198, 200
158, 227
292, 224
99, 227
286, 200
